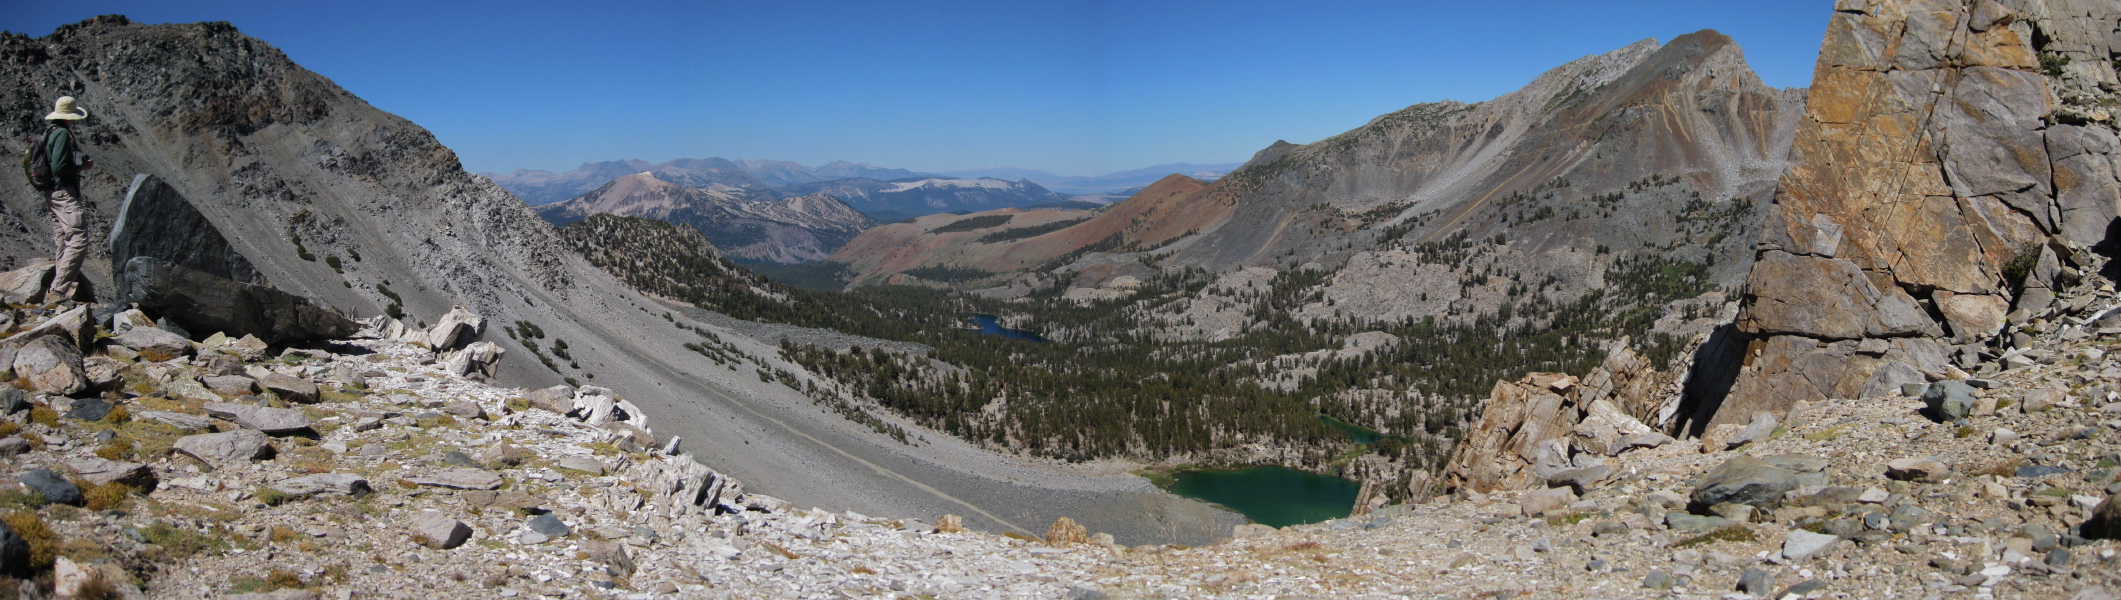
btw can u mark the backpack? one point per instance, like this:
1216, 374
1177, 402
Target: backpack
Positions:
37, 164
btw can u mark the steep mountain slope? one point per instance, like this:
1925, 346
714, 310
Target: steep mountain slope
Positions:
269, 151
788, 230
1689, 111
1151, 217
1955, 166
916, 196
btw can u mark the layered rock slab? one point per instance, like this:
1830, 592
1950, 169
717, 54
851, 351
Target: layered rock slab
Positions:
1935, 152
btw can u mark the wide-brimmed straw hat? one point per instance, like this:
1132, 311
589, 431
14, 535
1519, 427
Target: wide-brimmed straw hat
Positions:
64, 110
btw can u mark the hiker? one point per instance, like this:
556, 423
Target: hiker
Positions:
55, 164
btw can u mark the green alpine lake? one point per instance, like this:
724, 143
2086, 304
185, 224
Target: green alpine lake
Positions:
1273, 496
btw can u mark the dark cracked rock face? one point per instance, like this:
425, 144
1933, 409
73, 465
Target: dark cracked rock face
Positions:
158, 221
201, 301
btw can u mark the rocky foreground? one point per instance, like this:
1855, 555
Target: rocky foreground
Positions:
157, 467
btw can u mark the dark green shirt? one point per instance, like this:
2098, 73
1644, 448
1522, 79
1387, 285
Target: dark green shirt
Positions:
59, 149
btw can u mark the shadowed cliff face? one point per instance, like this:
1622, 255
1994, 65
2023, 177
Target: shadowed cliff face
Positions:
1949, 171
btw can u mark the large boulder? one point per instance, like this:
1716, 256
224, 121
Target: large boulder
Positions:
595, 406
345, 484
72, 327
458, 327
99, 471
51, 365
53, 486
478, 357
1949, 400
27, 284
289, 387
1519, 439
558, 398
1744, 480
434, 530
225, 449
154, 343
200, 301
275, 421
157, 222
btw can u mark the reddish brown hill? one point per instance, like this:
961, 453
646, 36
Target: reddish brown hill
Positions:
1160, 213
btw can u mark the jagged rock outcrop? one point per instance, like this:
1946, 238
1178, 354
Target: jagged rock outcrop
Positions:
1953, 167
1539, 430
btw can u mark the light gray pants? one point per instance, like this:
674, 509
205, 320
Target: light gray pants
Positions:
69, 241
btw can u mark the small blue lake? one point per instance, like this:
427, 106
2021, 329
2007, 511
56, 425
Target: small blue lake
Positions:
1272, 496
988, 325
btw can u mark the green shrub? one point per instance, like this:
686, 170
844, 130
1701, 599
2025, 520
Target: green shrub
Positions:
271, 497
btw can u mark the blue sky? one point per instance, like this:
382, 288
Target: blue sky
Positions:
1076, 88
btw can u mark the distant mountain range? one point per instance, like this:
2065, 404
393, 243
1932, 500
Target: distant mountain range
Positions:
1110, 184
545, 187
537, 187
782, 230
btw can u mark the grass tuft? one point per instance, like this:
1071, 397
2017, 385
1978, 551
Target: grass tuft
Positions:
44, 416
43, 544
178, 542
1734, 533
117, 449
109, 496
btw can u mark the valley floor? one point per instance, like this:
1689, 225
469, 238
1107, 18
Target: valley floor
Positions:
787, 445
